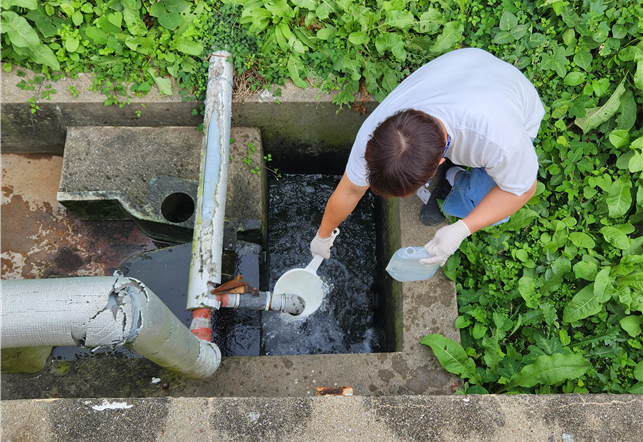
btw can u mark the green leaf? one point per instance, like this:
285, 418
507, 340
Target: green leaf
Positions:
430, 22
164, 85
170, 20
550, 370
107, 26
293, 70
135, 24
115, 18
452, 357
462, 322
27, 4
619, 138
574, 78
325, 33
580, 239
450, 35
619, 197
583, 304
186, 46
521, 219
19, 31
478, 331
47, 25
508, 21
585, 270
279, 8
503, 37
400, 19
537, 39
638, 371
71, 44
636, 163
306, 4
176, 6
44, 55
615, 237
638, 75
632, 325
77, 18
527, 290
390, 41
158, 9
97, 34
598, 115
358, 38
634, 280
603, 285
6, 67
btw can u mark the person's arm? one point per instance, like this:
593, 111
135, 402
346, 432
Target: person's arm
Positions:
496, 205
340, 204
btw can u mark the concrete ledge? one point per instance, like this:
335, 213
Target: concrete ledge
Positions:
554, 418
44, 131
304, 119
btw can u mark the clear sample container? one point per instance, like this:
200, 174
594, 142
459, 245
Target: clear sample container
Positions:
405, 265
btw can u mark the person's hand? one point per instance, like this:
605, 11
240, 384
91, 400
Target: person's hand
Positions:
445, 242
321, 246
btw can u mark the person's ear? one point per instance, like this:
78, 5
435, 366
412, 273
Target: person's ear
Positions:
442, 160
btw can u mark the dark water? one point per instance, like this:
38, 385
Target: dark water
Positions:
166, 272
343, 324
345, 321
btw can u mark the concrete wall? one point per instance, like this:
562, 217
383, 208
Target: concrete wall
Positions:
305, 120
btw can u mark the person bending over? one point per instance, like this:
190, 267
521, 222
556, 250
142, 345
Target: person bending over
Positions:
465, 108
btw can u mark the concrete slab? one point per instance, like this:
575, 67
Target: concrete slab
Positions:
41, 239
112, 173
552, 418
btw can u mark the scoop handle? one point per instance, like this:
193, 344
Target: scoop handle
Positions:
317, 259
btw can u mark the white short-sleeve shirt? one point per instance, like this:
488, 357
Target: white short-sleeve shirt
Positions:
489, 108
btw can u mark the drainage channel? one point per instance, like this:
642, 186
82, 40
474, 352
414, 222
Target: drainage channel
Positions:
346, 321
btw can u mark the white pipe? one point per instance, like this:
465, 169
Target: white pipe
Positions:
102, 312
207, 246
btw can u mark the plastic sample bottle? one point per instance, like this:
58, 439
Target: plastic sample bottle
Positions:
405, 265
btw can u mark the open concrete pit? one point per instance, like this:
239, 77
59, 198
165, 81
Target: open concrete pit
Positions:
50, 239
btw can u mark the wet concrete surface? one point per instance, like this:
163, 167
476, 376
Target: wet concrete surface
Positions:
41, 239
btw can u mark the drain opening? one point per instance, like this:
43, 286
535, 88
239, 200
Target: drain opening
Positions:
177, 207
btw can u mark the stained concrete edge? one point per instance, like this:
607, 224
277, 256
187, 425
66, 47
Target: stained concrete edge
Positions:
306, 118
552, 418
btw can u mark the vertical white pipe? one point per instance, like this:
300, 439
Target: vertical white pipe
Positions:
207, 246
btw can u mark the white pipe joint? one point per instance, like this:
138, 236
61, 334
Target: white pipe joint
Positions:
207, 246
102, 312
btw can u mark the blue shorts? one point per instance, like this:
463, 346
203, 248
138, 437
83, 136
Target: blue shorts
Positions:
467, 192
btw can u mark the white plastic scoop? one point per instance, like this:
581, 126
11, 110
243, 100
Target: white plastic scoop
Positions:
305, 283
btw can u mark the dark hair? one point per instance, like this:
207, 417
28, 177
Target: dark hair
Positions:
404, 153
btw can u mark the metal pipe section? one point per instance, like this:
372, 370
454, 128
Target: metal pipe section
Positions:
207, 246
263, 301
102, 312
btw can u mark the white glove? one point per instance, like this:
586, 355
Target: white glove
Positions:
445, 242
321, 246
